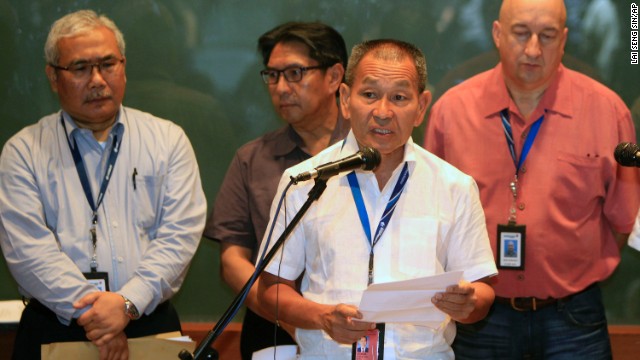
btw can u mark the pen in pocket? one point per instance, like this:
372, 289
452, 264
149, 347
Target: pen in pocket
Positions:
133, 177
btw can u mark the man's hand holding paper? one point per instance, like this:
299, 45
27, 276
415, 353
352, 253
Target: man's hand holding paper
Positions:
408, 300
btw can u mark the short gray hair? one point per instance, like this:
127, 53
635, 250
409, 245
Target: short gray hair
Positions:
388, 49
77, 23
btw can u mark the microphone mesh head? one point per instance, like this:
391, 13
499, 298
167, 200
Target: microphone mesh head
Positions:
371, 158
625, 154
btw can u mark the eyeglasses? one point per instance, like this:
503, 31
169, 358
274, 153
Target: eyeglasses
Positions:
83, 70
292, 74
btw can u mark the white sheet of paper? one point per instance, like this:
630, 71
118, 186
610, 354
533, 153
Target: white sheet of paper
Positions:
10, 311
407, 301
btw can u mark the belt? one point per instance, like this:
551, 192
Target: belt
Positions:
533, 304
528, 303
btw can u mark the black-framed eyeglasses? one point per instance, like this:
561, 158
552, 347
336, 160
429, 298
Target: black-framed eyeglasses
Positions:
291, 74
82, 70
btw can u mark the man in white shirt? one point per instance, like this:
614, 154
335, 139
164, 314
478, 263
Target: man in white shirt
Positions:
432, 222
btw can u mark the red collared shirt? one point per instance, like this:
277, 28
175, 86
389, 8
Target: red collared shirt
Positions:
571, 191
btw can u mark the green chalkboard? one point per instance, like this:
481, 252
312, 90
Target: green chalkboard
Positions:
195, 62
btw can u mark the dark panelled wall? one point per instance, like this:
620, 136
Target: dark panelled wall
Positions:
195, 62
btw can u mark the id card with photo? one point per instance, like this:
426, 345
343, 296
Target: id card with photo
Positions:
370, 346
510, 246
99, 279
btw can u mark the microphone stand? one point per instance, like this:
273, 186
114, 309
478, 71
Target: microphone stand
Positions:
204, 351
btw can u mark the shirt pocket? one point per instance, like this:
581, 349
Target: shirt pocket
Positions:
415, 246
147, 199
579, 181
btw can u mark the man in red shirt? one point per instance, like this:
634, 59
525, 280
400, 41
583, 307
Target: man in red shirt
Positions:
538, 139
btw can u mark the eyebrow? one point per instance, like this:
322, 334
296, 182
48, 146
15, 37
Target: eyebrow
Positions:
523, 26
369, 80
288, 66
84, 60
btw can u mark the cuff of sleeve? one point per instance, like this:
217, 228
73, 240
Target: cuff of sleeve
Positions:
139, 294
480, 271
282, 270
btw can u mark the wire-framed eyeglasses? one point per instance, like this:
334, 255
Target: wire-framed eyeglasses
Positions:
82, 70
291, 74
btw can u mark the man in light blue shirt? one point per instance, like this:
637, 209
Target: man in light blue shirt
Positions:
101, 206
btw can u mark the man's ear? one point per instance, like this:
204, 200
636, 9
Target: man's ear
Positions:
496, 30
52, 76
336, 74
424, 100
345, 93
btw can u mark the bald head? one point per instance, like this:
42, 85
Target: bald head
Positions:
556, 8
530, 36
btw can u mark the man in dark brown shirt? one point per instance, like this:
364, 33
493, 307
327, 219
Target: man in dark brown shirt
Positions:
304, 67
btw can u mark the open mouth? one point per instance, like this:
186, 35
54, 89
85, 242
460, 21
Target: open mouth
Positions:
382, 131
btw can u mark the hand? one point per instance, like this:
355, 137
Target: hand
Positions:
459, 301
341, 326
116, 349
105, 319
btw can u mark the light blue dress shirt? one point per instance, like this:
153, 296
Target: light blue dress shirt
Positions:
149, 225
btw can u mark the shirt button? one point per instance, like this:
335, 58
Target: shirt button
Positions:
115, 224
120, 259
523, 169
521, 206
521, 277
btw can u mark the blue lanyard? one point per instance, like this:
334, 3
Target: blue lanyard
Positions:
528, 143
86, 186
386, 216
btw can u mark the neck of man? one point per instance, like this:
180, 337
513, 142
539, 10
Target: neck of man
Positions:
316, 131
526, 99
100, 130
388, 163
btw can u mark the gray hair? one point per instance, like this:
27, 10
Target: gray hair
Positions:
77, 23
390, 50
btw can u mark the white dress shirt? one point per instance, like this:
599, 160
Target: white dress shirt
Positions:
438, 226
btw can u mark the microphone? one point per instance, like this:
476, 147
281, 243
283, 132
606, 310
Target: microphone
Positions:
367, 159
627, 154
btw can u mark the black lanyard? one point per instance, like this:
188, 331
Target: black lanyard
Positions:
86, 186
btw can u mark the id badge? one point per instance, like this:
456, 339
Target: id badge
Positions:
99, 279
510, 246
370, 346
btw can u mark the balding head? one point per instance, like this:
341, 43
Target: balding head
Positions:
530, 36
511, 7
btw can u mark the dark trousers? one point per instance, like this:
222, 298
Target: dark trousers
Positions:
570, 329
259, 333
39, 325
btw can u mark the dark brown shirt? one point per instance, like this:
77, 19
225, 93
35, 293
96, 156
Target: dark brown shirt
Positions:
241, 210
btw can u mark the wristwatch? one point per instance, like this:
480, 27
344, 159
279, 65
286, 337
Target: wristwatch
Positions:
130, 309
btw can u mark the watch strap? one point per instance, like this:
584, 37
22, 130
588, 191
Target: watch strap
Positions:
130, 309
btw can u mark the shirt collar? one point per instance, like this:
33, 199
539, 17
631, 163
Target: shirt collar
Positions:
285, 141
288, 139
557, 98
117, 128
350, 146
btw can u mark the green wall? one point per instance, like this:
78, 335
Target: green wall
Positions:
195, 62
